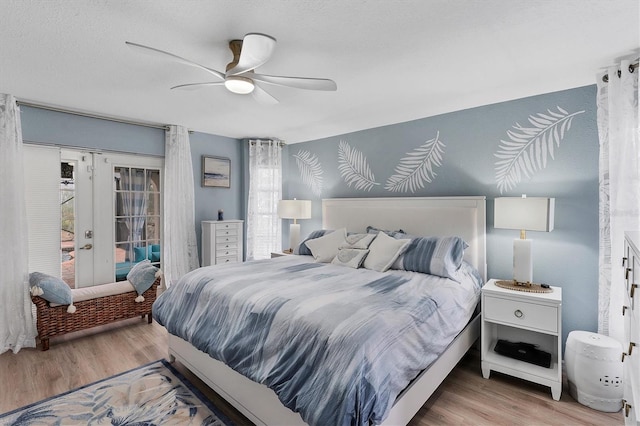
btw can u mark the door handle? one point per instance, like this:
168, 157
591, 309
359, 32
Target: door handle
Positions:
86, 247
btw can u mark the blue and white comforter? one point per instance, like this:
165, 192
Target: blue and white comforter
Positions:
336, 344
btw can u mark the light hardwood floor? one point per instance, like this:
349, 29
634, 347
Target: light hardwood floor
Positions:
464, 398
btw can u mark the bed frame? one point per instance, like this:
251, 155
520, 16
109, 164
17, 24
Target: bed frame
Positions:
435, 216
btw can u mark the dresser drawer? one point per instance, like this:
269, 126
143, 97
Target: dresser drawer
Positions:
226, 259
227, 231
226, 252
226, 245
224, 239
521, 314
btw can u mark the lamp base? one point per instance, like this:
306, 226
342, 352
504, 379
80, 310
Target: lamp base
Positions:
294, 235
522, 261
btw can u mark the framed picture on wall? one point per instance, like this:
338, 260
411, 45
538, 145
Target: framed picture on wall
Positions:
216, 172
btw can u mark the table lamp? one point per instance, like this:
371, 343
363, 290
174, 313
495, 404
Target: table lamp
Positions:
294, 209
526, 214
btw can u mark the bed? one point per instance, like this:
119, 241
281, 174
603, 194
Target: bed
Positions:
442, 216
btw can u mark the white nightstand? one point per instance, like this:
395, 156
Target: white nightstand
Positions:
519, 316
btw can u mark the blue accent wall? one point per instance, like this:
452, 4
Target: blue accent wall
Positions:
43, 126
209, 200
563, 164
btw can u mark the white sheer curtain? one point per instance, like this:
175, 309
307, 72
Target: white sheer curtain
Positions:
17, 329
179, 249
619, 187
264, 227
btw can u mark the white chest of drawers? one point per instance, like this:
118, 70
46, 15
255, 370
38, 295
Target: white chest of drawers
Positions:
518, 316
222, 241
631, 344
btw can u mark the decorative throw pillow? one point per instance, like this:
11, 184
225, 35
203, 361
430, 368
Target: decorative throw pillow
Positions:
383, 251
352, 258
52, 289
302, 247
374, 230
153, 253
441, 256
139, 254
358, 241
142, 276
325, 248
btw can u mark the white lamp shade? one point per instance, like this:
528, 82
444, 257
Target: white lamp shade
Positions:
525, 214
294, 209
530, 214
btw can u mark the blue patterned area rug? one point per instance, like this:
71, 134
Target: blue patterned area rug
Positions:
154, 394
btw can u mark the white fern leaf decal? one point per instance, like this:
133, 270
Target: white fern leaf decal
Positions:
354, 168
528, 148
310, 171
418, 168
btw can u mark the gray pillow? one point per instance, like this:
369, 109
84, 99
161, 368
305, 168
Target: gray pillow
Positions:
52, 289
142, 276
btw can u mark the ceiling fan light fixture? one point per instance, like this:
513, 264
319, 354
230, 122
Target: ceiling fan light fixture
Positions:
239, 85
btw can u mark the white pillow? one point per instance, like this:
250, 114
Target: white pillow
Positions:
325, 248
350, 257
383, 251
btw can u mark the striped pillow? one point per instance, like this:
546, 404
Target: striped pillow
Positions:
440, 256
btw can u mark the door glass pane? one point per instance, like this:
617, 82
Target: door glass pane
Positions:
67, 223
138, 221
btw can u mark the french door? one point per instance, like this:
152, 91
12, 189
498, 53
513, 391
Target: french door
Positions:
105, 211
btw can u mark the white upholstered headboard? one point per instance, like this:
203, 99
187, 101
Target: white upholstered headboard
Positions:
425, 216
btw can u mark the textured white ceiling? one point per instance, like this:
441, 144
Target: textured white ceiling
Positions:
393, 61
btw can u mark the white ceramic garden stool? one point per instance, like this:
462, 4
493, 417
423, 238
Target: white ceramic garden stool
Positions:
594, 370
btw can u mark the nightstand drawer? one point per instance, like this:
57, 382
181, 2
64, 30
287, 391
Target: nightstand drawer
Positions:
521, 314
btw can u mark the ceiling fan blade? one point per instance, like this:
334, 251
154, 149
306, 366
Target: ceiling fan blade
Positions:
192, 86
158, 52
296, 82
256, 50
262, 96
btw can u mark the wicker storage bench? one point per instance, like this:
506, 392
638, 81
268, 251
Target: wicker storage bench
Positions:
55, 321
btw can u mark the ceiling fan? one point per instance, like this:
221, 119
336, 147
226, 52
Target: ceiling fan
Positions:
248, 54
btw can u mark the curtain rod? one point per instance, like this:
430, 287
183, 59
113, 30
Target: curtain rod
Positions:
90, 115
253, 142
632, 67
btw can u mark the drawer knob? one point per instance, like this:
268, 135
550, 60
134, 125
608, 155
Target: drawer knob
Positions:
518, 313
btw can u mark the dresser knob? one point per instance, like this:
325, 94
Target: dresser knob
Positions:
518, 313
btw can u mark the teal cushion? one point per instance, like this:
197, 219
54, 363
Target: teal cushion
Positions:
139, 254
54, 289
154, 253
142, 276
